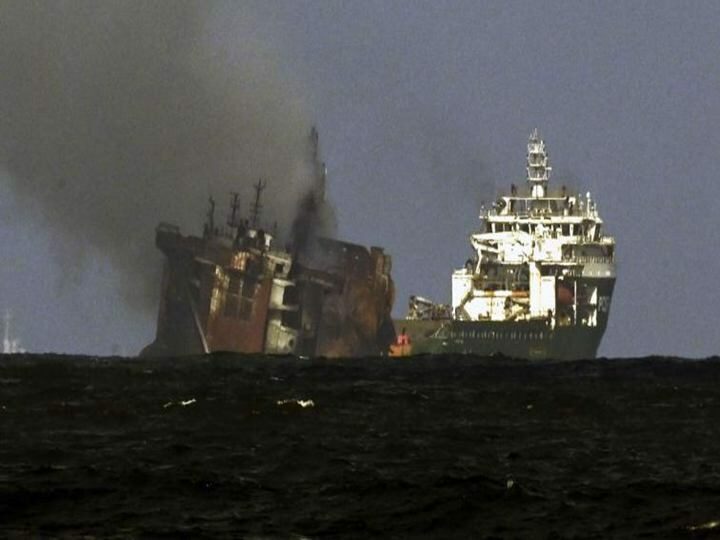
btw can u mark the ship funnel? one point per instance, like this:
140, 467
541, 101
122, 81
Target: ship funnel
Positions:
538, 168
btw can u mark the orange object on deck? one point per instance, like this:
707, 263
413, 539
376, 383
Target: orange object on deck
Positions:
402, 345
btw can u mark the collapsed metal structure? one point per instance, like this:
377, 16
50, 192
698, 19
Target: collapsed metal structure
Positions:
233, 289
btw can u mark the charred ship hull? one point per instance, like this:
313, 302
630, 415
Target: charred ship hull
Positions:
233, 289
217, 296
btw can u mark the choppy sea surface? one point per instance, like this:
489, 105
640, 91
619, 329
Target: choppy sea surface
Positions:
230, 446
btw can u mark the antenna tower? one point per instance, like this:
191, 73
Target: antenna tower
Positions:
538, 166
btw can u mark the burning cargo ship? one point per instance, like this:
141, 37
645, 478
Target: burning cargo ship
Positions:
538, 285
234, 289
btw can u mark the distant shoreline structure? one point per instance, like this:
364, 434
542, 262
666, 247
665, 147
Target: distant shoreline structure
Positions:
10, 345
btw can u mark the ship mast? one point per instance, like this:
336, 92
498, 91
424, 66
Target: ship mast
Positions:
210, 225
320, 168
256, 205
233, 218
538, 168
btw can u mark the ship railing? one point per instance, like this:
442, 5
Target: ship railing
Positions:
599, 259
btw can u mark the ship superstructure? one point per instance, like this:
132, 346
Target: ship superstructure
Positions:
539, 281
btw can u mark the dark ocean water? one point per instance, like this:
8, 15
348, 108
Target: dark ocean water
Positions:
436, 447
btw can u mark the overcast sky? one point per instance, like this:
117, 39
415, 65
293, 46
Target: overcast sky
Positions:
424, 109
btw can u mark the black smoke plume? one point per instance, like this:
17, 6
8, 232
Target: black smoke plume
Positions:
115, 116
314, 216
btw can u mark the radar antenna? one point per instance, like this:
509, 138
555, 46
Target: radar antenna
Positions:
538, 168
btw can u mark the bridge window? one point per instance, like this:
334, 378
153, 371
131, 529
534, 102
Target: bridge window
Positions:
239, 299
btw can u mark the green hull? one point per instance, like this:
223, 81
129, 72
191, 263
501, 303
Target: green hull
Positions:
534, 340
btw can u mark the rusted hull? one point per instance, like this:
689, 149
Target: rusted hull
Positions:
247, 335
349, 294
334, 301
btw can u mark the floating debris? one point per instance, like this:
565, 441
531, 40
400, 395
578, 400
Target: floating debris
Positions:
705, 526
183, 403
304, 403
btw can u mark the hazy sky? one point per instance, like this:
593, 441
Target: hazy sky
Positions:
424, 109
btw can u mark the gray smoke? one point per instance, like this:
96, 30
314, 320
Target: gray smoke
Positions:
117, 115
314, 217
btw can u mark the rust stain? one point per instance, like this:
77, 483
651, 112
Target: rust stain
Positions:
335, 301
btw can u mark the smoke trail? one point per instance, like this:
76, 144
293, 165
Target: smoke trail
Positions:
115, 116
314, 217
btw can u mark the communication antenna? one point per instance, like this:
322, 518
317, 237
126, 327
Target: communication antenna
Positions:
256, 207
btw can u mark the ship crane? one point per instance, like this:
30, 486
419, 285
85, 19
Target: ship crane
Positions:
516, 246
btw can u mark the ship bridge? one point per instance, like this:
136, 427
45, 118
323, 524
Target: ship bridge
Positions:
538, 211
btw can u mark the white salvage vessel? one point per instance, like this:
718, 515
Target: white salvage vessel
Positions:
538, 284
